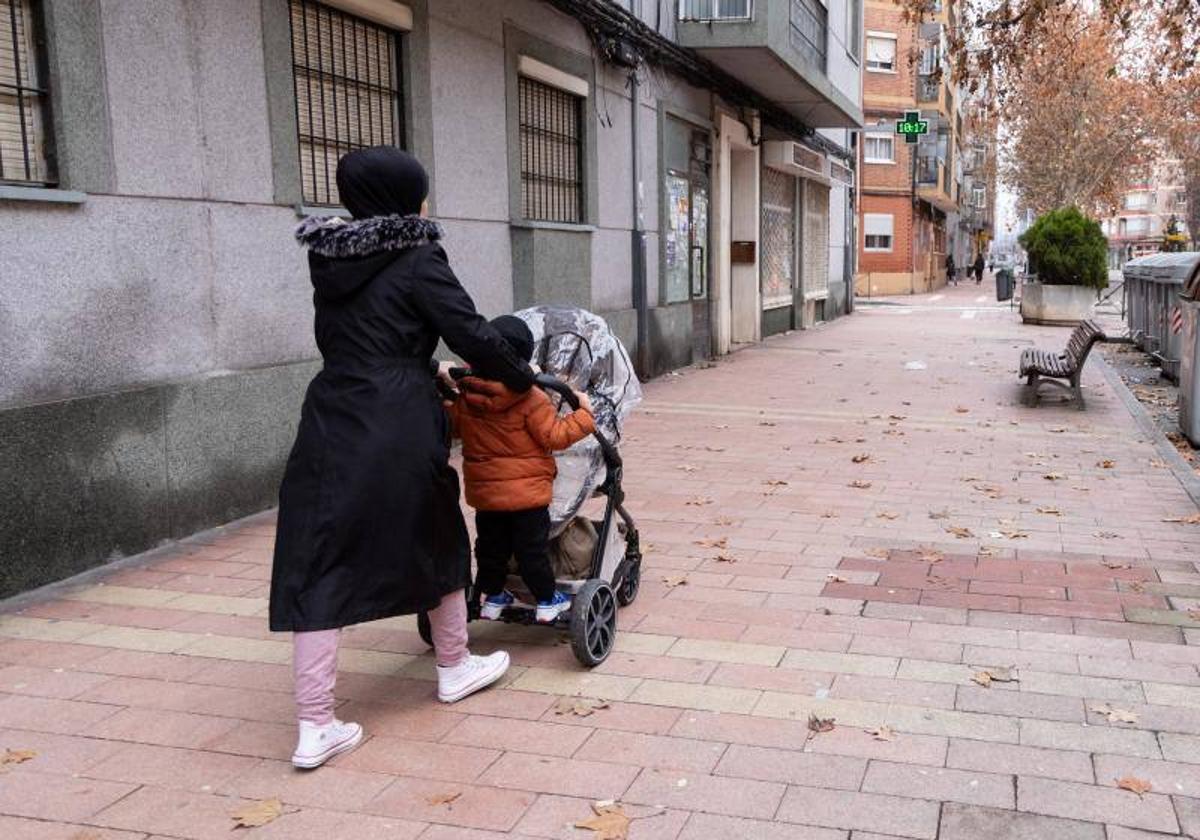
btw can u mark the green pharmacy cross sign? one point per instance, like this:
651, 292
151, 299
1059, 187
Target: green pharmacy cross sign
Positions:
912, 126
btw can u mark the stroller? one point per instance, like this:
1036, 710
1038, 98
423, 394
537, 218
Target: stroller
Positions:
597, 561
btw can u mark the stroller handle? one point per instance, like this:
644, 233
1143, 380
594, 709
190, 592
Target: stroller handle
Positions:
612, 458
550, 383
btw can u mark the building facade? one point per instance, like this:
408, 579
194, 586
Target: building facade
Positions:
919, 201
1148, 209
684, 169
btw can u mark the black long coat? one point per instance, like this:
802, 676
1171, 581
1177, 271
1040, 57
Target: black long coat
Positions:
369, 518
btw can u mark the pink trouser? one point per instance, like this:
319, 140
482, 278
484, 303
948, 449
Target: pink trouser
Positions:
314, 659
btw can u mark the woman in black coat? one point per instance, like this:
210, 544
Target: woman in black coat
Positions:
369, 518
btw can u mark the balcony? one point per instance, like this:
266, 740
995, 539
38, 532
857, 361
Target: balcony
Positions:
779, 48
934, 183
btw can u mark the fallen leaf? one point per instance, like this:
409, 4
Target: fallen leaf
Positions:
716, 542
819, 724
1137, 586
887, 514
443, 798
722, 520
699, 501
1194, 615
881, 553
775, 482
609, 822
1114, 714
257, 813
766, 423
1106, 464
1114, 564
1050, 511
896, 417
579, 706
960, 532
859, 484
674, 580
1054, 476
829, 515
1107, 535
16, 756
983, 678
1132, 783
1194, 519
1058, 430
939, 514
881, 733
832, 578
930, 555
726, 558
961, 410
1002, 675
861, 458
1015, 535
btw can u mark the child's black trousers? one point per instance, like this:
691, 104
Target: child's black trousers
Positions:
524, 534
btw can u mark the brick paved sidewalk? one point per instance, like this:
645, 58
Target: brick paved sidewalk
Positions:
834, 532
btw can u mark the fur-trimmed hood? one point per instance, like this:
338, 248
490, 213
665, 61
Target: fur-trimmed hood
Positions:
338, 238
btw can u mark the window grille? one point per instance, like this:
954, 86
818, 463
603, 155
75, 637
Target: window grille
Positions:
551, 128
810, 29
24, 154
348, 92
713, 10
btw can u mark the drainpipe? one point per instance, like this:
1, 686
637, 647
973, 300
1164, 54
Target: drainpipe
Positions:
641, 294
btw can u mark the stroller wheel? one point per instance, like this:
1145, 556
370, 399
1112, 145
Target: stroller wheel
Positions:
424, 628
593, 622
628, 591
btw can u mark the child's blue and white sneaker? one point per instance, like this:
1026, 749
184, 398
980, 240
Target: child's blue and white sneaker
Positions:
548, 611
495, 605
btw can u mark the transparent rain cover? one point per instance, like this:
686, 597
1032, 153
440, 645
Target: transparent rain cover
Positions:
578, 347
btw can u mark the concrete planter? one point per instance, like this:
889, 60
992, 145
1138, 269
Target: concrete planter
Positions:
1042, 304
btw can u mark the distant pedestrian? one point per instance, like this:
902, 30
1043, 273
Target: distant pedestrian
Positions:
369, 518
978, 268
951, 271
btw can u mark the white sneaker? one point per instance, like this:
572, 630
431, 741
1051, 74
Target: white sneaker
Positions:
318, 744
474, 673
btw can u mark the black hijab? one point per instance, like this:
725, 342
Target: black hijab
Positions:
381, 181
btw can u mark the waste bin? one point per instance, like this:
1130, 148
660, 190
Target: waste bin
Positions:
1004, 284
1189, 359
1156, 282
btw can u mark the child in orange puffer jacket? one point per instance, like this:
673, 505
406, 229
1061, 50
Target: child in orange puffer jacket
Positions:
509, 470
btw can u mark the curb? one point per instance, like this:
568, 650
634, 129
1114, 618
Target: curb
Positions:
1183, 471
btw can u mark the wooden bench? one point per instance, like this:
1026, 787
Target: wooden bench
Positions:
1043, 366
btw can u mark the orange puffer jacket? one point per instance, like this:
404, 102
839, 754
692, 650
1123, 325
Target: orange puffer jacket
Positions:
507, 441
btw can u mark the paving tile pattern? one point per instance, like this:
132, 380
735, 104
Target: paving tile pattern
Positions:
860, 541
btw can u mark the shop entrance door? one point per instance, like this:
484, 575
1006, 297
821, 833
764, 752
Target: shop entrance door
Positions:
687, 233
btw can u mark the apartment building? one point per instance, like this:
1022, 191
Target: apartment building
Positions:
1148, 207
685, 169
911, 192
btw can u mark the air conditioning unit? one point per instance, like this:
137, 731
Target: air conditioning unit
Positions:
796, 159
839, 173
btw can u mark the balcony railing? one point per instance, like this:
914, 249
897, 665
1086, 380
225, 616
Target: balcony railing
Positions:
927, 170
928, 88
810, 30
706, 11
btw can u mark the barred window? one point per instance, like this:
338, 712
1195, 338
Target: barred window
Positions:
551, 126
24, 154
348, 91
